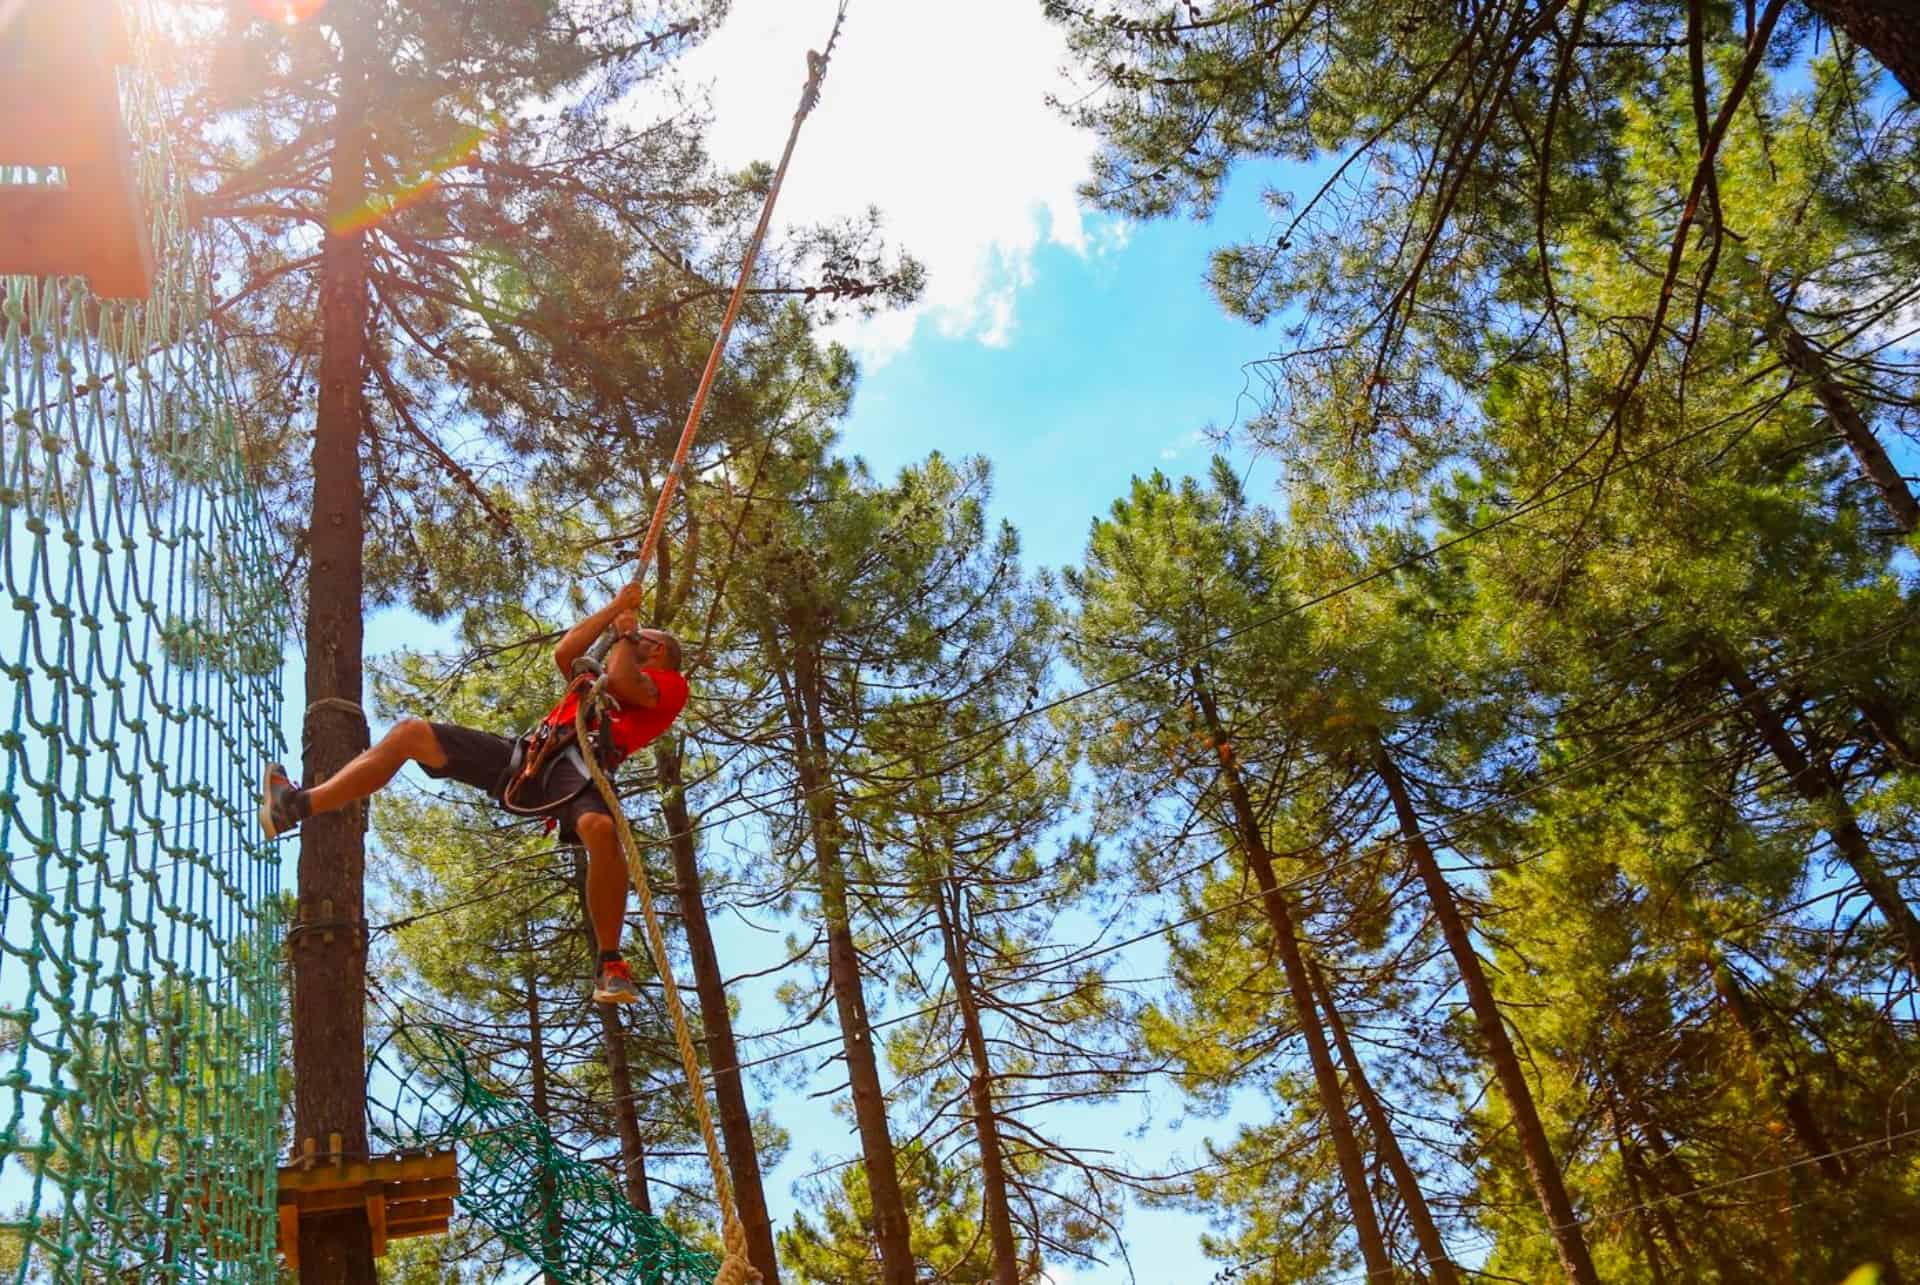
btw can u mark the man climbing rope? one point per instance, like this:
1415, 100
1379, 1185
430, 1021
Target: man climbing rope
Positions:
648, 692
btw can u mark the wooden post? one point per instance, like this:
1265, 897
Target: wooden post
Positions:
330, 957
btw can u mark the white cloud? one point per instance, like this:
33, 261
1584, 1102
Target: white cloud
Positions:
1183, 444
934, 112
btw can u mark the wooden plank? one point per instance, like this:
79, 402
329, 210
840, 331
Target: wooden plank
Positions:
77, 231
376, 1201
409, 1231
415, 1214
412, 1167
312, 1200
399, 1211
290, 1235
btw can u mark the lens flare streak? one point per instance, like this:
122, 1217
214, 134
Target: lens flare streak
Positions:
380, 205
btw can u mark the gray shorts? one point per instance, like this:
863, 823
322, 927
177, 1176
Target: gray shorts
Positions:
481, 759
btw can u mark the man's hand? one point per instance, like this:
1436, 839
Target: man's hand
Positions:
625, 623
582, 636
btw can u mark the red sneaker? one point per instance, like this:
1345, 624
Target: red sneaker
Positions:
615, 984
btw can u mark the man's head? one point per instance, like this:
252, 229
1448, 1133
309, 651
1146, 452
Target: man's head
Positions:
659, 650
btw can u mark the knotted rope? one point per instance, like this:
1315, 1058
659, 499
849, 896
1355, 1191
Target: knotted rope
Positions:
735, 1268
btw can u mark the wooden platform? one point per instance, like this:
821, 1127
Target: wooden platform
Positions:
409, 1194
60, 106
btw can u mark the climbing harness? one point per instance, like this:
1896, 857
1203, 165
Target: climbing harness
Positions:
735, 1268
523, 786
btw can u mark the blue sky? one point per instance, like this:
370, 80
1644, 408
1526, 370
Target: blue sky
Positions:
1111, 364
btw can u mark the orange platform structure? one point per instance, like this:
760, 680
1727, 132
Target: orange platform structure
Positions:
69, 203
406, 1194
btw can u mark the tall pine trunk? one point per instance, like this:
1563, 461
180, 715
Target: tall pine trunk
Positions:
1549, 1185
613, 1040
716, 1020
1788, 1090
551, 1243
1286, 941
1815, 782
1386, 1143
1810, 365
1887, 29
330, 945
1634, 1168
807, 727
986, 1126
723, 1055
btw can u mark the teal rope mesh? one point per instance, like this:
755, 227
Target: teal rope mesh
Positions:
141, 633
564, 1215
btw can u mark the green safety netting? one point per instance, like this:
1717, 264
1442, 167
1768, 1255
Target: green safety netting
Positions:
564, 1215
140, 633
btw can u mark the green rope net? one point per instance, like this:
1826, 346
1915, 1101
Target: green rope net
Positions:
140, 629
564, 1215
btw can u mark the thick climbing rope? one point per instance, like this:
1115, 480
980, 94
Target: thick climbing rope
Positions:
809, 95
735, 1268
141, 629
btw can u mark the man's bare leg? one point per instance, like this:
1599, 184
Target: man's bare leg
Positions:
606, 879
411, 740
282, 807
606, 906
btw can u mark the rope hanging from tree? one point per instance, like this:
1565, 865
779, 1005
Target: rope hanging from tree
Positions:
735, 1267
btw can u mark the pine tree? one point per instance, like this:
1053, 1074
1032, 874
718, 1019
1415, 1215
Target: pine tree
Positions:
1175, 596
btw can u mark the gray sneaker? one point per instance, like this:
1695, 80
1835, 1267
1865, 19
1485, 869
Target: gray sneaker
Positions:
615, 984
279, 812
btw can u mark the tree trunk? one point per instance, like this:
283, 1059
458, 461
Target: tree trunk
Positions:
329, 946
1286, 940
1808, 363
1815, 782
1887, 29
613, 1040
716, 1019
1882, 720
986, 1128
1634, 1168
1411, 1196
1542, 1168
1787, 1089
808, 728
551, 1242
723, 1056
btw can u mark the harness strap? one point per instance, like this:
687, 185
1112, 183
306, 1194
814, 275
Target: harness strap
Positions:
538, 752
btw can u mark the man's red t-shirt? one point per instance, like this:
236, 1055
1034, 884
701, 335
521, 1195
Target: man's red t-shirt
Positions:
634, 727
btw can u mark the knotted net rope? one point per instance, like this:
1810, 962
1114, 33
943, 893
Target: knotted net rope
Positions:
565, 1216
140, 635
